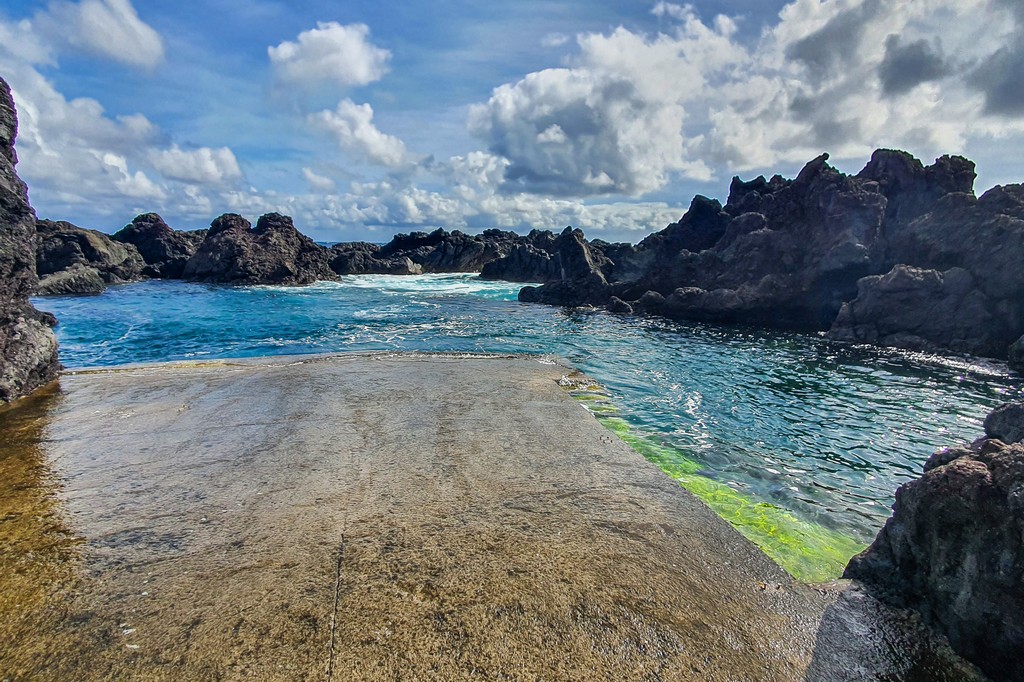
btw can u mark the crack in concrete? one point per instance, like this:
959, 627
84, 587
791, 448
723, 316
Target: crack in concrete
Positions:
334, 612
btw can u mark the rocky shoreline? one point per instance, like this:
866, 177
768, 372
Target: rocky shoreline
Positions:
954, 547
900, 254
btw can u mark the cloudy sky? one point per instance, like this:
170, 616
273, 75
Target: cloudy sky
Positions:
365, 119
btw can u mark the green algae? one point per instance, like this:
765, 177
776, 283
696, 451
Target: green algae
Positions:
809, 552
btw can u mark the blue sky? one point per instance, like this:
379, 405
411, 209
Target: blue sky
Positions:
365, 119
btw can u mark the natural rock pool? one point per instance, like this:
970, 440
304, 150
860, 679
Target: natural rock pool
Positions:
799, 442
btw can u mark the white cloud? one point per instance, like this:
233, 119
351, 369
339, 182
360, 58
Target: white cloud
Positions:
352, 127
613, 122
198, 166
107, 28
330, 53
670, 10
317, 182
555, 40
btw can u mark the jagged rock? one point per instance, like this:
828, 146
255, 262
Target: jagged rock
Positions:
923, 310
954, 550
790, 253
61, 245
437, 251
28, 348
78, 279
1016, 354
164, 250
580, 277
1006, 423
617, 305
524, 263
273, 252
361, 258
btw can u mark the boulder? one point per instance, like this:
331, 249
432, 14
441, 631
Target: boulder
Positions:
164, 250
524, 263
362, 258
580, 279
954, 550
61, 246
28, 348
78, 279
273, 252
1006, 423
1015, 354
922, 309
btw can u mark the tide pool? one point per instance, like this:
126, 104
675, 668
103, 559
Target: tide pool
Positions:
798, 428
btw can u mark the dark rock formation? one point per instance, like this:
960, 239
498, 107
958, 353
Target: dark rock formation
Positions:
78, 279
28, 348
61, 245
943, 268
1006, 423
273, 252
581, 279
1016, 354
164, 250
924, 310
362, 258
954, 548
442, 251
532, 259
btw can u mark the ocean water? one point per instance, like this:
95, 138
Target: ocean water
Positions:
795, 423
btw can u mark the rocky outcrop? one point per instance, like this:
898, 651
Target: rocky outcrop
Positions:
273, 252
62, 246
441, 251
900, 254
362, 258
924, 310
164, 250
28, 348
581, 278
76, 280
954, 547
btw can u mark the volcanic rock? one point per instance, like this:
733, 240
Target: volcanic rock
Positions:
954, 550
581, 280
78, 279
1006, 423
273, 252
362, 258
944, 270
164, 250
61, 246
926, 310
28, 348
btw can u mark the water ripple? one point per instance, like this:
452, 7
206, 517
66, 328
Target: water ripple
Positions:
825, 431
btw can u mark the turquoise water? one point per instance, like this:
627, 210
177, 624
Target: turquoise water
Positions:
824, 431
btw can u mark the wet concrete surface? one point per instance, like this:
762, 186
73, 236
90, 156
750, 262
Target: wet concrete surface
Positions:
388, 518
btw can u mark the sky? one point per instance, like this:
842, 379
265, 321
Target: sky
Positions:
362, 120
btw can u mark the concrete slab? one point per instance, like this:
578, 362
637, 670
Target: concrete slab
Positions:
387, 518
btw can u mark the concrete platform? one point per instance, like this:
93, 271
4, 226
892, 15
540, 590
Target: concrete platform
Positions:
387, 518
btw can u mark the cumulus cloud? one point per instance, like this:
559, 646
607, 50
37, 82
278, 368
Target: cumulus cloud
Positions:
613, 122
671, 10
351, 125
107, 28
197, 166
317, 182
905, 66
331, 53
